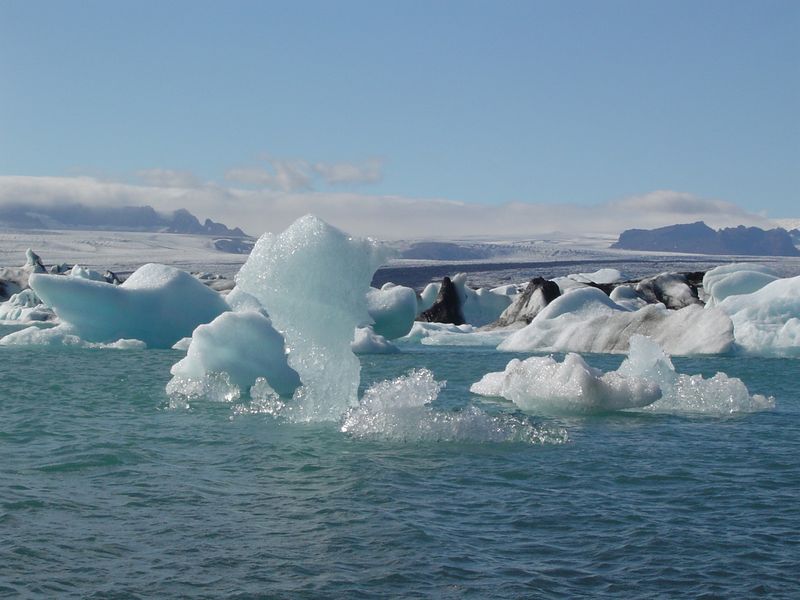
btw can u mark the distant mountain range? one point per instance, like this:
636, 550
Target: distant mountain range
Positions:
699, 238
122, 218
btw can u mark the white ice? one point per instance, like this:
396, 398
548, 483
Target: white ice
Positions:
366, 341
646, 379
542, 385
312, 279
63, 335
393, 309
157, 304
767, 321
245, 346
586, 320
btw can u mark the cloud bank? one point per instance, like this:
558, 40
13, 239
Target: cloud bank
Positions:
381, 216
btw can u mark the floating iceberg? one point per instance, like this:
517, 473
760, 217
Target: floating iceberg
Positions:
313, 279
586, 320
157, 304
245, 346
393, 309
543, 385
646, 380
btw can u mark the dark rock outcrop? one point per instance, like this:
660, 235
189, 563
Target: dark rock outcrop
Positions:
699, 238
447, 306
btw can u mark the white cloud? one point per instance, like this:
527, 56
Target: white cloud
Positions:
294, 175
370, 171
168, 178
387, 217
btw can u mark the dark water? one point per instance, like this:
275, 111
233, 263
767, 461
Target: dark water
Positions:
105, 493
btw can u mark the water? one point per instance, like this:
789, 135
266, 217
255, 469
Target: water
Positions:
107, 493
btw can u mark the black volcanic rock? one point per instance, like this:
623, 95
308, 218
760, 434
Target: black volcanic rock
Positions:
447, 306
699, 238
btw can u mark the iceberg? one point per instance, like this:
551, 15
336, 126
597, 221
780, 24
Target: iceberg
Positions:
586, 320
313, 279
646, 380
542, 385
245, 346
393, 309
366, 341
157, 304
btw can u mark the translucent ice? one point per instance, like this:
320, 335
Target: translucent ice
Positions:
399, 409
719, 395
157, 304
312, 279
245, 346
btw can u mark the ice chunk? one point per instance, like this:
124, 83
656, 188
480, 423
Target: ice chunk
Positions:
626, 297
366, 341
25, 307
428, 297
63, 335
245, 346
313, 279
542, 385
213, 387
586, 320
240, 301
157, 304
81, 273
393, 309
719, 395
399, 409
767, 321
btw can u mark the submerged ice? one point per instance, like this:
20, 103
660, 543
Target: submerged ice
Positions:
400, 410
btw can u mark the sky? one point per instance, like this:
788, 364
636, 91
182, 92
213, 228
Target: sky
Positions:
422, 115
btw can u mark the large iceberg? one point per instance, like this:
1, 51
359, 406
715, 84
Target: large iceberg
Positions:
586, 320
313, 279
157, 304
242, 344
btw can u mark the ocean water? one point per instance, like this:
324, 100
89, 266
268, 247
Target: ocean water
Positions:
107, 492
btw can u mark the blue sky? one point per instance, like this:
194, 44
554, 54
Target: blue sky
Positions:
580, 102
